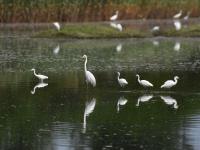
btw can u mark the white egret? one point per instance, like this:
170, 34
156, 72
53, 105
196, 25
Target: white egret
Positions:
121, 101
187, 16
57, 25
170, 101
143, 98
88, 75
177, 46
177, 25
155, 28
117, 26
122, 82
170, 83
177, 16
39, 76
113, 24
39, 85
119, 47
89, 108
56, 49
144, 83
114, 17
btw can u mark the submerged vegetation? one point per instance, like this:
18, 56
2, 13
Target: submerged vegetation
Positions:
92, 10
104, 31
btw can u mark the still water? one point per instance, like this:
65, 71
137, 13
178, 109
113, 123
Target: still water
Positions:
63, 114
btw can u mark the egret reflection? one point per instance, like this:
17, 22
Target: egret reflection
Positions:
89, 108
143, 98
56, 49
119, 47
39, 85
121, 101
170, 101
177, 46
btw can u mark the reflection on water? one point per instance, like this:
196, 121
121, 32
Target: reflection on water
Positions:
170, 101
39, 85
143, 98
121, 101
56, 49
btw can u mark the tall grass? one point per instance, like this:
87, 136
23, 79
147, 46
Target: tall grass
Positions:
91, 10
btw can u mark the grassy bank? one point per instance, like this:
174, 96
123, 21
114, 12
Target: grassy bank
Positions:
92, 10
105, 31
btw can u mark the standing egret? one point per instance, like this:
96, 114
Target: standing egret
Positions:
144, 98
88, 75
177, 16
187, 16
177, 25
119, 47
122, 82
177, 46
170, 83
114, 17
56, 49
170, 101
89, 108
155, 28
144, 83
57, 25
39, 76
39, 85
121, 101
117, 26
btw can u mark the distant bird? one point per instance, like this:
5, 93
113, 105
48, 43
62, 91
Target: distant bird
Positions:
121, 101
89, 108
170, 83
177, 16
119, 47
177, 46
88, 75
39, 76
122, 82
117, 26
39, 85
170, 101
144, 98
187, 16
144, 83
155, 28
177, 25
114, 17
56, 49
57, 25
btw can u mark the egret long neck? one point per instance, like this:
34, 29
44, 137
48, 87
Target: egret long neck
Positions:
85, 67
138, 78
175, 80
34, 73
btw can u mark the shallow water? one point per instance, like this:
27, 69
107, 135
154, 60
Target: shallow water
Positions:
65, 114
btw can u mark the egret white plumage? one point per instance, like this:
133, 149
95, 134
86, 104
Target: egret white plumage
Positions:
144, 83
89, 108
56, 49
170, 101
114, 17
155, 28
119, 47
155, 43
88, 75
177, 16
177, 46
39, 76
39, 85
121, 101
122, 82
57, 25
143, 98
117, 26
177, 25
170, 83
187, 16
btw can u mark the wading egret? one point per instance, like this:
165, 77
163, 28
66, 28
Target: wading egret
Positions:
39, 85
117, 26
57, 25
177, 16
144, 83
88, 75
170, 83
114, 17
122, 82
143, 98
89, 108
119, 47
121, 101
187, 16
177, 46
170, 101
39, 76
56, 49
177, 25
155, 29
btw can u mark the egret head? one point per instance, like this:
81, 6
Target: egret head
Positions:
33, 69
84, 56
176, 77
118, 74
137, 75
